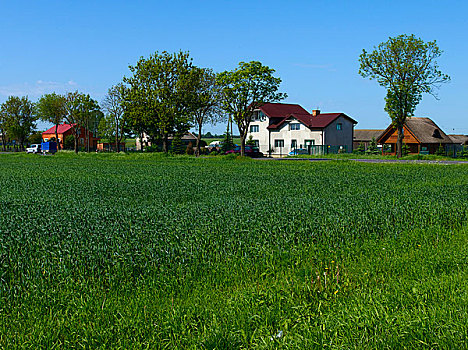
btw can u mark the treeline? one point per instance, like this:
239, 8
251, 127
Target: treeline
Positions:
164, 95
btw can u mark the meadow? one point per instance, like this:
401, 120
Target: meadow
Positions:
148, 251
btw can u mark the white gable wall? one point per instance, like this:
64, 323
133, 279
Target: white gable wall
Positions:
284, 133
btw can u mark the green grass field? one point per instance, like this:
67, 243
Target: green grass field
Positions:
148, 251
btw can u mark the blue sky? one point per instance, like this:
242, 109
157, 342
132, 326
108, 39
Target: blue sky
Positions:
314, 47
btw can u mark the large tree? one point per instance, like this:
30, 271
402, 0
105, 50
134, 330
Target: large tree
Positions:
113, 124
407, 67
82, 111
245, 89
206, 101
157, 99
19, 118
51, 108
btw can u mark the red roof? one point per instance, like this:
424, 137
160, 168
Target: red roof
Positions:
279, 110
62, 128
318, 122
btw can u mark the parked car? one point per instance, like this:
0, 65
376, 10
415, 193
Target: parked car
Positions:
249, 151
34, 148
297, 151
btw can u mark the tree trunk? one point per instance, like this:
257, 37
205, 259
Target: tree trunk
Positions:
197, 152
400, 141
242, 137
75, 136
165, 143
56, 137
117, 141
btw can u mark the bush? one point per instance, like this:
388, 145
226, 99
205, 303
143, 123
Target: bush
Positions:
176, 145
360, 149
189, 149
69, 142
405, 150
440, 151
373, 149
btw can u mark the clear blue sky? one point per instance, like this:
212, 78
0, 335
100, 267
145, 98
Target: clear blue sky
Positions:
314, 47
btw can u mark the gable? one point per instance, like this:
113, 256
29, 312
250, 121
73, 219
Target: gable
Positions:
416, 130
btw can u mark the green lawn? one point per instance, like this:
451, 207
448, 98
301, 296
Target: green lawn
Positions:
149, 251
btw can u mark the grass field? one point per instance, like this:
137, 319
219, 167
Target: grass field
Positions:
147, 251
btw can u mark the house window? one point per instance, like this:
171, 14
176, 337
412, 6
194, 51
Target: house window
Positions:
295, 126
254, 128
279, 143
339, 126
293, 144
257, 144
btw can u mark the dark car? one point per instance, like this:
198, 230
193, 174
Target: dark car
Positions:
249, 151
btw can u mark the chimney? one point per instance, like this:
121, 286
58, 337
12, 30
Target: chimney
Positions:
315, 112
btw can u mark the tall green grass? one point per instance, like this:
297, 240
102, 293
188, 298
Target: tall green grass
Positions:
145, 251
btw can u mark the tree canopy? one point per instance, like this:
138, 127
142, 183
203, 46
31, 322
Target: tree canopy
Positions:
112, 126
82, 111
51, 108
19, 118
206, 100
245, 89
407, 67
158, 98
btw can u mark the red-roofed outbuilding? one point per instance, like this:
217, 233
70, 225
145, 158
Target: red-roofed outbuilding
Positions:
64, 130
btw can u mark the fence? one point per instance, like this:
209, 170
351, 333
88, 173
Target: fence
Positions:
324, 149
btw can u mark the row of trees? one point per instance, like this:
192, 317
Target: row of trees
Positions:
18, 115
164, 96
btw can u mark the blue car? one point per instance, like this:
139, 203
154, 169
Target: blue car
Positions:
298, 151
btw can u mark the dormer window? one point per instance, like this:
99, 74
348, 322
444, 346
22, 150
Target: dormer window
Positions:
339, 126
436, 134
294, 126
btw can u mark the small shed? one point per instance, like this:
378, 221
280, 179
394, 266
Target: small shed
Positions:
365, 136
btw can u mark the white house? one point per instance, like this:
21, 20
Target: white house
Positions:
279, 128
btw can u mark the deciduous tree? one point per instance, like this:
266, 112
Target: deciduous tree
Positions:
158, 96
407, 67
206, 100
113, 125
19, 118
245, 89
51, 108
82, 111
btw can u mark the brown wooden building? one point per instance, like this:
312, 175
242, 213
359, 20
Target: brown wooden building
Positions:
422, 135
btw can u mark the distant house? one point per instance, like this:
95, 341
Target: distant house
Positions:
461, 140
109, 146
365, 136
65, 130
421, 135
186, 139
279, 128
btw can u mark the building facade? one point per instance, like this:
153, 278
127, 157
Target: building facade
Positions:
279, 129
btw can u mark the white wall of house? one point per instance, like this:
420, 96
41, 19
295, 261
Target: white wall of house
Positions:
287, 134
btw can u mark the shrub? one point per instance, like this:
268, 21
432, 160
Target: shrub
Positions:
189, 149
440, 151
